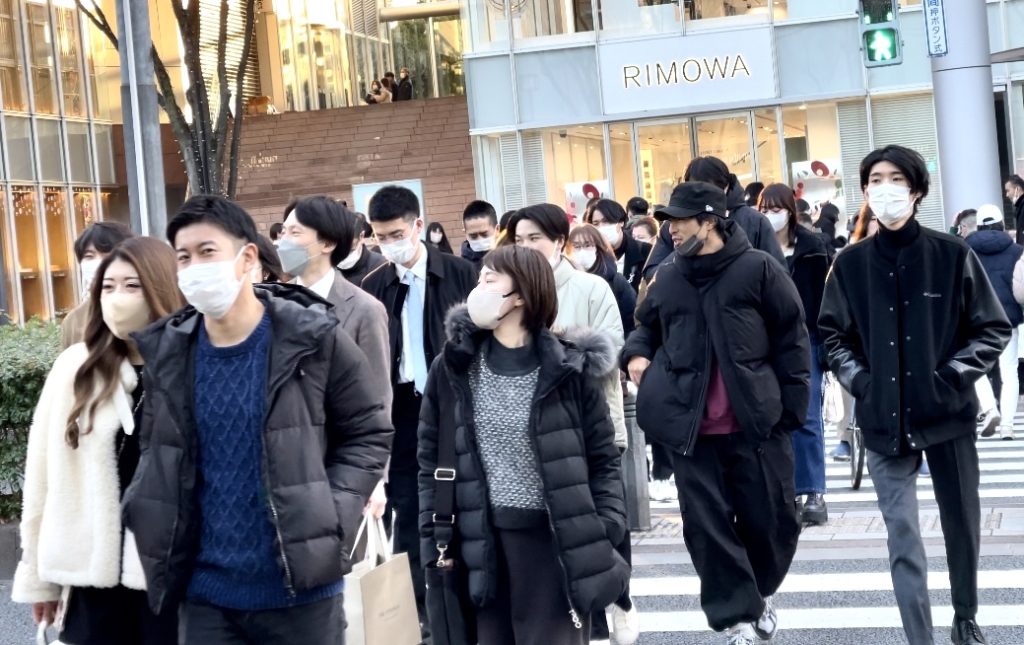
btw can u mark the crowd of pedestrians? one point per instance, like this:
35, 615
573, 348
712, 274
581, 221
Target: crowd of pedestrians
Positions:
229, 407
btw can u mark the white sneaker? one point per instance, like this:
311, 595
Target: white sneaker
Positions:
625, 624
662, 491
742, 634
989, 421
768, 622
1006, 433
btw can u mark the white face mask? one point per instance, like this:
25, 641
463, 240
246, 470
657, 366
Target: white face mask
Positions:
125, 313
482, 245
610, 233
586, 257
399, 252
890, 203
212, 287
88, 269
351, 259
485, 307
436, 238
778, 219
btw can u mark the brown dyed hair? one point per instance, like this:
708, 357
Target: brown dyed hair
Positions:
864, 217
588, 234
534, 281
99, 376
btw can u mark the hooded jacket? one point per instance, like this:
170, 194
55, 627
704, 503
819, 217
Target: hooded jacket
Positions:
755, 225
739, 305
326, 438
572, 439
909, 336
999, 255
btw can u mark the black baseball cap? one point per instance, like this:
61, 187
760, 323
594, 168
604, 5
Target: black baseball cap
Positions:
692, 198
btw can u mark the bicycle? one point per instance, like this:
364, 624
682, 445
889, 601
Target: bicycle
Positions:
858, 454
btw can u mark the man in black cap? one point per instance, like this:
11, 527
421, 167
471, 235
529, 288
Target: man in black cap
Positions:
722, 361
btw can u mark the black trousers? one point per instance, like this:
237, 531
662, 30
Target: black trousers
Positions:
402, 488
531, 606
116, 616
318, 623
741, 527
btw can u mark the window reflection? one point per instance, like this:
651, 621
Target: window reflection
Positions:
12, 63
44, 84
69, 53
713, 14
571, 163
728, 139
29, 253
766, 134
8, 303
532, 18
665, 152
59, 245
448, 48
629, 17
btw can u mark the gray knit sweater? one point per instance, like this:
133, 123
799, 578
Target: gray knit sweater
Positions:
503, 382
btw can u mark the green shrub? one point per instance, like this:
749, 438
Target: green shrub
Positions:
26, 355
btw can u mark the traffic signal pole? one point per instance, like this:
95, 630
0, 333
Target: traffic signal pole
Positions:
965, 110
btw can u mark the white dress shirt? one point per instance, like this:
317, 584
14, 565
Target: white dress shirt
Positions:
321, 287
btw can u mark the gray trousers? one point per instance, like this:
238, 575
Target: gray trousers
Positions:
955, 478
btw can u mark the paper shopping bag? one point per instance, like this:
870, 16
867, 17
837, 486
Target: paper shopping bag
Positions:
380, 606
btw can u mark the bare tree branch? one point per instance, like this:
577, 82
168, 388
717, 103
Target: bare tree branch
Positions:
100, 20
236, 126
224, 95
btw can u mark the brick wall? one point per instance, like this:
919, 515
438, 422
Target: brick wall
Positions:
297, 154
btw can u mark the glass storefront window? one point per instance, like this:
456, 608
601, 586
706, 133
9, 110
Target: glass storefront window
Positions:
573, 165
532, 18
636, 17
44, 82
665, 151
62, 273
485, 24
104, 155
19, 148
31, 272
303, 82
12, 63
51, 152
411, 42
362, 84
808, 9
448, 52
84, 203
623, 162
728, 138
331, 61
287, 57
69, 49
78, 151
502, 187
813, 154
8, 302
769, 159
725, 14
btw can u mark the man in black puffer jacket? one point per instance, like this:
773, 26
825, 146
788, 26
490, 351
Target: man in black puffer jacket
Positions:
261, 441
758, 229
722, 361
999, 255
910, 322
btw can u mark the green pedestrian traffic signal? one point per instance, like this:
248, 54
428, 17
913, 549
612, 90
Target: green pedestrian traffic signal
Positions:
882, 46
880, 33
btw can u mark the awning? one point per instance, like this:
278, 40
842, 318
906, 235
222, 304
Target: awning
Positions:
1009, 56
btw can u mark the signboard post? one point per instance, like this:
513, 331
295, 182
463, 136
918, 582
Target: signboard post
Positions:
935, 28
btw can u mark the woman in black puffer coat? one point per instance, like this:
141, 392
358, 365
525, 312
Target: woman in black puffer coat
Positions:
539, 499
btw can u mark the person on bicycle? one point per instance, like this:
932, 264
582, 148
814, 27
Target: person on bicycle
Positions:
910, 322
722, 360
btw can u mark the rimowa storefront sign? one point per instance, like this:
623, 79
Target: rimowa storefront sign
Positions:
687, 72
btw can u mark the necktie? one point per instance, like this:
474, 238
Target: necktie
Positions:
414, 317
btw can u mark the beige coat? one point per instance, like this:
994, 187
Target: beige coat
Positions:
72, 329
586, 301
71, 515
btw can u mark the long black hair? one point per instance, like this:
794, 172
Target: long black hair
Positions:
444, 245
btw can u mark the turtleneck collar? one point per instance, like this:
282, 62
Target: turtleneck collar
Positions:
890, 243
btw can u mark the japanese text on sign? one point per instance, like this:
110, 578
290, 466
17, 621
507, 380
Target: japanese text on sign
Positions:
935, 28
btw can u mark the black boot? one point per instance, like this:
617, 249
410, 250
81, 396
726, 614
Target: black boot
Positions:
814, 512
967, 632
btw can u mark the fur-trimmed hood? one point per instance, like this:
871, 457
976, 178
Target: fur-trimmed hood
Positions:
590, 352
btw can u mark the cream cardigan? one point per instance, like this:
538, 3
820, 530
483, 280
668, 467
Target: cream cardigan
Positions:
71, 517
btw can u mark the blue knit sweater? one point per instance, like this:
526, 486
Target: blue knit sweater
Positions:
239, 561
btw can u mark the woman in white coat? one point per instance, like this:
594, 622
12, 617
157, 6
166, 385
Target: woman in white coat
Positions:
82, 453
584, 301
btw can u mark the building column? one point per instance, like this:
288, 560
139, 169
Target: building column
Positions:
268, 52
965, 112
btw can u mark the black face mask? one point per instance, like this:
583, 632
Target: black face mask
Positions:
691, 246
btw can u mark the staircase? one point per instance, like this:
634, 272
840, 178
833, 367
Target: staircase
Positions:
297, 154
